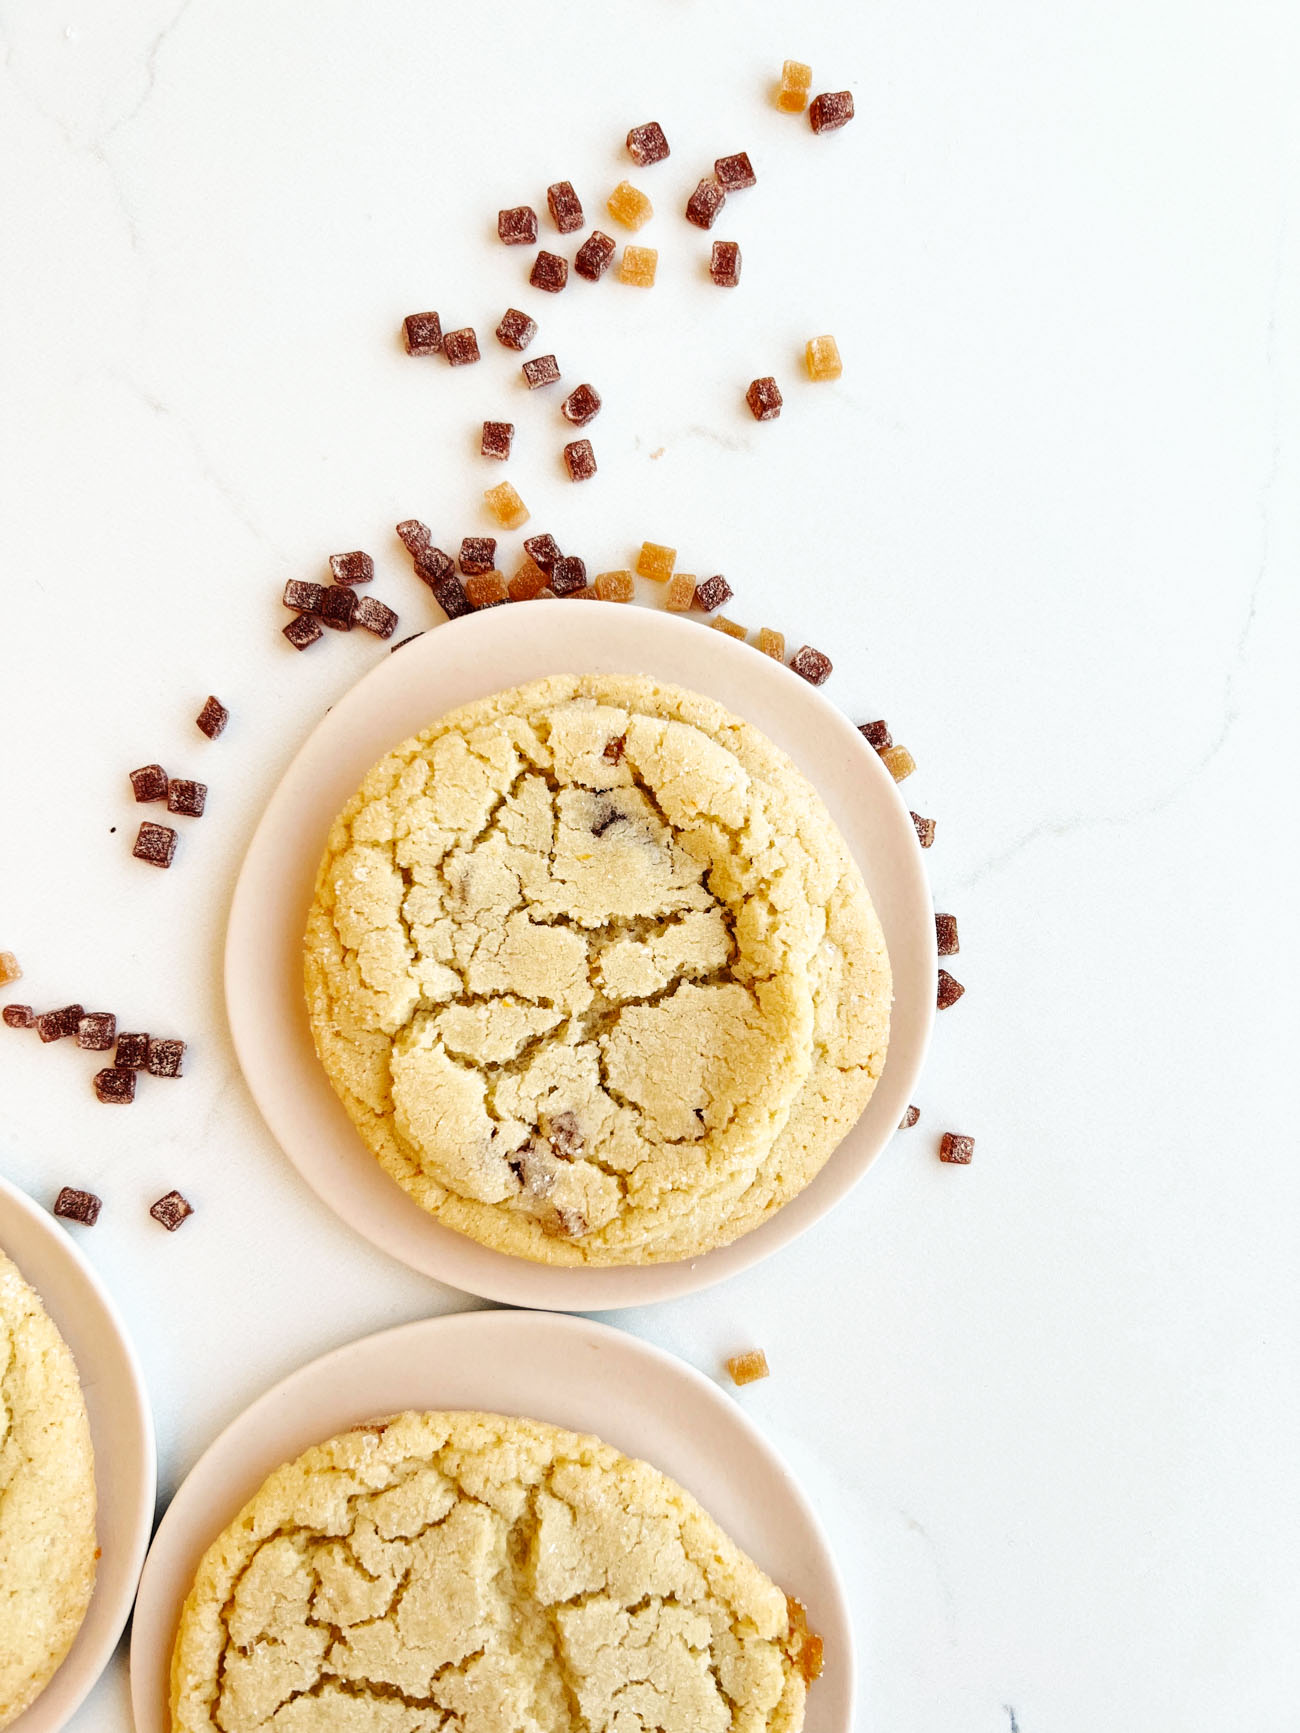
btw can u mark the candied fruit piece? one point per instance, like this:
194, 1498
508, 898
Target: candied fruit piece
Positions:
732, 628
647, 144
355, 568
543, 370
54, 1025
305, 630
638, 267
461, 347
115, 1087
594, 256
149, 783
413, 534
497, 439
705, 202
156, 843
212, 718
898, 761
823, 358
78, 1206
422, 333
711, 593
724, 264
132, 1052
956, 1149
517, 227
735, 172
431, 564
615, 586
449, 593
581, 405
680, 594
831, 110
950, 990
924, 830
764, 399
796, 82
506, 506
543, 549
550, 272
516, 330
811, 665
302, 597
876, 734
478, 554
580, 460
655, 561
375, 617
171, 1210
568, 576
945, 933
486, 590
19, 1017
746, 1368
772, 643
187, 798
338, 605
565, 207
165, 1058
909, 1119
528, 582
629, 206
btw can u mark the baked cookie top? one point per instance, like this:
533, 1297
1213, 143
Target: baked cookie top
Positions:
593, 972
482, 1574
47, 1497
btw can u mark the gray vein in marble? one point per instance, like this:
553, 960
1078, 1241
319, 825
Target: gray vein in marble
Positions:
1011, 1717
150, 70
940, 1575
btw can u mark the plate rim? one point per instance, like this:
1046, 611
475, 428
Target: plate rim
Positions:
143, 1681
430, 1247
143, 1492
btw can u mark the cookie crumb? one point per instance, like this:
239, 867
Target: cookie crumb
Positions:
956, 1149
78, 1206
748, 1367
171, 1210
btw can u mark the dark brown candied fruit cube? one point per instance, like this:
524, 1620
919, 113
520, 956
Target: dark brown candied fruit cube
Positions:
78, 1206
449, 593
711, 593
832, 109
594, 257
165, 1058
149, 783
647, 144
945, 932
950, 990
97, 1031
187, 798
705, 202
212, 718
354, 568
114, 1086
544, 370
171, 1210
516, 330
565, 207
550, 272
422, 333
876, 734
478, 554
764, 399
306, 629
432, 564
724, 264
132, 1052
580, 460
156, 843
461, 347
811, 665
337, 607
19, 1017
487, 590
498, 437
924, 830
54, 1025
735, 173
302, 597
568, 576
517, 227
581, 405
909, 1119
956, 1149
375, 617
543, 551
413, 534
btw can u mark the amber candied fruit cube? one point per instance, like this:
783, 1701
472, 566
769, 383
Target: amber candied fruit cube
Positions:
735, 172
957, 1149
746, 1368
647, 144
581, 405
516, 330
924, 830
461, 347
487, 590
705, 202
565, 207
796, 82
732, 628
478, 554
550, 272
580, 460
422, 333
811, 665
615, 586
594, 256
517, 227
764, 399
831, 110
898, 761
772, 643
823, 358
528, 582
639, 266
680, 595
496, 439
724, 264
711, 593
542, 370
506, 506
656, 561
629, 206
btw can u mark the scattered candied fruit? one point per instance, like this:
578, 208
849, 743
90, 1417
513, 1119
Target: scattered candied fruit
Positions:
647, 144
735, 172
517, 227
550, 272
831, 110
796, 82
823, 358
422, 333
680, 595
594, 257
569, 576
764, 399
945, 933
898, 761
506, 506
516, 330
638, 267
956, 1149
497, 439
565, 207
615, 586
876, 734
811, 665
10, 968
747, 1368
486, 590
528, 582
478, 554
732, 628
461, 347
580, 460
629, 205
655, 561
724, 264
581, 405
544, 549
711, 593
772, 643
705, 202
924, 830
541, 370
949, 991
909, 1119
375, 617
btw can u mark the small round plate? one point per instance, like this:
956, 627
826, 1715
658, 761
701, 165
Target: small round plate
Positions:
568, 1371
121, 1430
451, 666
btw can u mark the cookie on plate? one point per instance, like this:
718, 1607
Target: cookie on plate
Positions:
486, 1574
593, 972
47, 1497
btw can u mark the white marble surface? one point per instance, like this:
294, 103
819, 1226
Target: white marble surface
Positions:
1046, 525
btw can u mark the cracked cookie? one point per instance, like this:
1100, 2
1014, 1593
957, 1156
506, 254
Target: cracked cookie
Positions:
47, 1497
475, 1573
594, 974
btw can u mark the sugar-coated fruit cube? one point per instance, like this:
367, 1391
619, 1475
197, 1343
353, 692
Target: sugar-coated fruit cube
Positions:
823, 358
422, 333
656, 561
772, 643
680, 594
212, 718
647, 144
516, 330
594, 256
732, 628
746, 1368
506, 506
355, 568
629, 206
517, 227
581, 405
497, 439
375, 617
796, 82
764, 399
898, 761
831, 110
305, 630
478, 554
705, 202
811, 665
486, 590
543, 370
615, 586
461, 347
711, 593
580, 460
724, 264
638, 267
156, 843
550, 272
735, 172
565, 207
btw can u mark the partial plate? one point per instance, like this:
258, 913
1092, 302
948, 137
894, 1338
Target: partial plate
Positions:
453, 665
568, 1371
121, 1430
